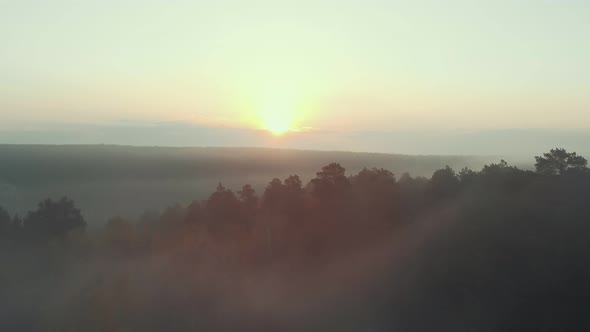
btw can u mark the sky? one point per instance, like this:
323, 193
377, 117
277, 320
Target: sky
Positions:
387, 76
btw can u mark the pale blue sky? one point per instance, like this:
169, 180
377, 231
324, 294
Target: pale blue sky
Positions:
338, 66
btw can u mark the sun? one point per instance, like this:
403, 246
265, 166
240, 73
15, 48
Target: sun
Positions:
277, 125
277, 115
277, 109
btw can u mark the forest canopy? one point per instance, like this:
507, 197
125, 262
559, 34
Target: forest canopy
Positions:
498, 248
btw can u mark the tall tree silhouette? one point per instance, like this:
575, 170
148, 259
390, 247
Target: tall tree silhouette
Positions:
331, 183
249, 202
558, 161
223, 210
444, 182
293, 191
273, 197
466, 175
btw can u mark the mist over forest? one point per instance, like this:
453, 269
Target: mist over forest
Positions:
499, 248
104, 178
294, 166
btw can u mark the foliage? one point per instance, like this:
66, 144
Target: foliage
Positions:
559, 161
54, 219
467, 250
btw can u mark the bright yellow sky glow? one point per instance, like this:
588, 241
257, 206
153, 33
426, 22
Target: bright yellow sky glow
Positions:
282, 66
277, 124
277, 112
274, 104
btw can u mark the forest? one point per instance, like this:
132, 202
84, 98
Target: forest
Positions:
497, 249
107, 180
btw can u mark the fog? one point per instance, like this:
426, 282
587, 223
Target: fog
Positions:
499, 248
123, 180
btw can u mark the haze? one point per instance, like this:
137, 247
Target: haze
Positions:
298, 166
344, 75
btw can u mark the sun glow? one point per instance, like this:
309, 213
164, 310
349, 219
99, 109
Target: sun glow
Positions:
279, 113
276, 105
277, 124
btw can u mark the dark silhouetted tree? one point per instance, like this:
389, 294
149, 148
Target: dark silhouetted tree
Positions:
284, 197
249, 200
444, 182
466, 175
558, 161
332, 173
274, 196
493, 168
223, 210
412, 192
54, 219
331, 183
498, 170
501, 175
283, 204
293, 197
